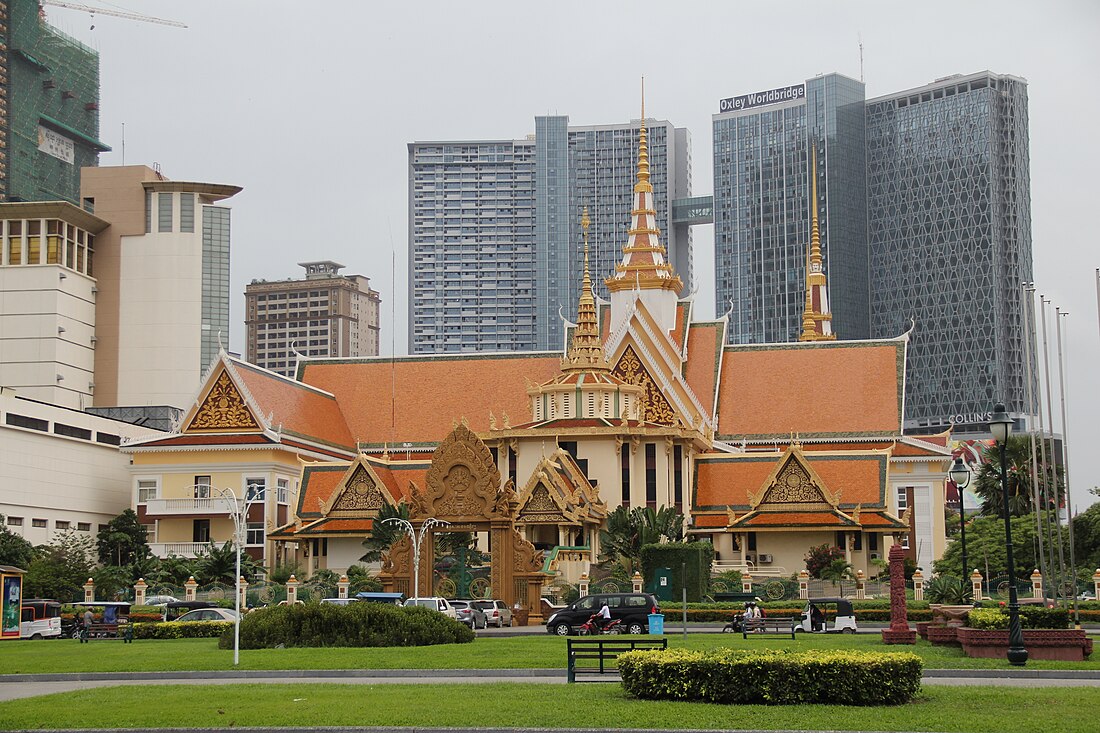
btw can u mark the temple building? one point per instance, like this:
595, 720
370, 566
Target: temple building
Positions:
766, 449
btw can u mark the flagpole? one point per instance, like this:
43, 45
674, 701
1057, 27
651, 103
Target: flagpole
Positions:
1059, 315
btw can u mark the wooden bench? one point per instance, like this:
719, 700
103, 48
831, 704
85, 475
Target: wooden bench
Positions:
107, 632
598, 652
767, 625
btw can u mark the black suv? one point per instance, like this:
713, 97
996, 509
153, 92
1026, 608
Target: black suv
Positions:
632, 609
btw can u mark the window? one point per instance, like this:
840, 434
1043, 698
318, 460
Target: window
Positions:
903, 498
678, 476
905, 542
200, 530
72, 431
22, 421
254, 534
752, 542
257, 487
40, 523
83, 526
187, 212
164, 212
625, 480
651, 475
60, 524
202, 487
282, 490
15, 521
147, 490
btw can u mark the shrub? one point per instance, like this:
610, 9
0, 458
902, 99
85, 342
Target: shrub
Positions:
184, 630
772, 677
1031, 617
694, 557
356, 624
949, 590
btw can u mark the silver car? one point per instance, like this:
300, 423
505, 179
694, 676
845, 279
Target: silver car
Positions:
468, 613
496, 612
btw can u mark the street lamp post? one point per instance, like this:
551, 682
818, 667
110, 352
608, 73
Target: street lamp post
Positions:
238, 510
1001, 427
960, 474
416, 539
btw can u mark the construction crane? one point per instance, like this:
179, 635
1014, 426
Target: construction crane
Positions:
116, 13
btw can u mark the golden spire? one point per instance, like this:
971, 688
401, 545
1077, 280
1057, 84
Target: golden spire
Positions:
815, 320
643, 265
585, 350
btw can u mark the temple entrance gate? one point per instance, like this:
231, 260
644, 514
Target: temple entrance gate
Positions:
463, 487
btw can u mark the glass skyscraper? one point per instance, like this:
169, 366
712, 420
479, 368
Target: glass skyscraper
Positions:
762, 147
949, 221
494, 228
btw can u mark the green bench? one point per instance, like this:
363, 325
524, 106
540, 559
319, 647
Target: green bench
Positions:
593, 656
762, 626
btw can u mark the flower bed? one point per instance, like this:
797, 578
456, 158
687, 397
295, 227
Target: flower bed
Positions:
1068, 645
942, 635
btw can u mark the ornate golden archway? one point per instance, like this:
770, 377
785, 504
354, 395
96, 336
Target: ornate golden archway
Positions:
463, 487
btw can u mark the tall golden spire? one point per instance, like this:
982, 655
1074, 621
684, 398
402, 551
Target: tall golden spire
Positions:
643, 265
585, 351
816, 318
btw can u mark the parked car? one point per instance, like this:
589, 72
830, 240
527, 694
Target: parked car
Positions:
468, 613
815, 616
339, 601
209, 614
631, 609
160, 600
496, 612
393, 599
1087, 596
436, 603
174, 609
41, 619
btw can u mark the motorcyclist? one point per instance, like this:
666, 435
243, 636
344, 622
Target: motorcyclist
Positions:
603, 616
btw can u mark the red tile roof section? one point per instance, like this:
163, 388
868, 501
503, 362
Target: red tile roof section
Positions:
701, 372
295, 407
837, 388
318, 485
430, 393
729, 482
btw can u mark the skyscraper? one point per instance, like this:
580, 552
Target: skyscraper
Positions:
493, 228
949, 221
323, 314
49, 107
762, 208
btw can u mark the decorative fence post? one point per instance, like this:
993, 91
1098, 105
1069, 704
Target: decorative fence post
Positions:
636, 582
89, 591
190, 589
139, 592
292, 591
1036, 584
976, 585
582, 585
861, 586
918, 585
746, 583
342, 587
244, 593
803, 584
1096, 584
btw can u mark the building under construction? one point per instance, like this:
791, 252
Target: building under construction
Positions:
49, 107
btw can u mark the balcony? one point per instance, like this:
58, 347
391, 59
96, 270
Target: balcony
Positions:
187, 507
179, 549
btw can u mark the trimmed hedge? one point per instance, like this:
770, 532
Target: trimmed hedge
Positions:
182, 630
356, 624
695, 557
1031, 617
730, 676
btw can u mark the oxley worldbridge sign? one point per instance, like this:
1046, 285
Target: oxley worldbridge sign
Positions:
760, 99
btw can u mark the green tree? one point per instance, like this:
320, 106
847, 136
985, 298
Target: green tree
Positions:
820, 557
14, 550
1086, 538
382, 534
1018, 475
175, 570
627, 530
219, 564
60, 569
985, 543
838, 570
122, 541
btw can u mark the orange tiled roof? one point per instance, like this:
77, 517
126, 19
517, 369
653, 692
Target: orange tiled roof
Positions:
683, 312
431, 392
397, 476
318, 485
817, 389
879, 518
300, 411
903, 449
340, 525
722, 480
711, 520
823, 519
704, 354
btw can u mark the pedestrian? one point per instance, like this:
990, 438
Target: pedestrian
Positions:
88, 618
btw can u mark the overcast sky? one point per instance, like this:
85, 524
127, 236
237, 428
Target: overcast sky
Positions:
309, 106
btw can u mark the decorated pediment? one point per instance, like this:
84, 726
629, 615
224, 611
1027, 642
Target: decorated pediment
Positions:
541, 507
360, 492
793, 484
463, 483
224, 408
655, 407
559, 492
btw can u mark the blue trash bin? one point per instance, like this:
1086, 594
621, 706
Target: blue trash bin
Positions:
657, 624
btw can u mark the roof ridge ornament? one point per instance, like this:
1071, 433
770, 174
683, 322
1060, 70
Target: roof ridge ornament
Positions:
816, 317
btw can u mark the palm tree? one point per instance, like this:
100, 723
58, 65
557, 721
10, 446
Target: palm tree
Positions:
837, 571
1018, 465
382, 534
628, 530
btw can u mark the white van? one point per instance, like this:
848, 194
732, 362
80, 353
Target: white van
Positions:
40, 619
436, 603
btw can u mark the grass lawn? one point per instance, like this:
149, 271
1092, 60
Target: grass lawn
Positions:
532, 705
524, 652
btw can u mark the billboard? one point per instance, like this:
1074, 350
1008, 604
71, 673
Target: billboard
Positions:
760, 99
11, 605
56, 144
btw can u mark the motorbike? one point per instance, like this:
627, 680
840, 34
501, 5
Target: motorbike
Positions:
592, 627
736, 626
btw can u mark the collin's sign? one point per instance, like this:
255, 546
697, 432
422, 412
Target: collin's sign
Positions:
760, 99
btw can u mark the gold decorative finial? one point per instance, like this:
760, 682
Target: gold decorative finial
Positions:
586, 350
643, 183
815, 274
